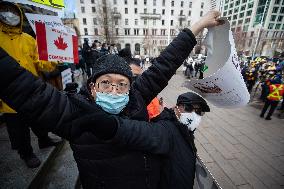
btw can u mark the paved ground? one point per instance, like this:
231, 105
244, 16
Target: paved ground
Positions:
240, 149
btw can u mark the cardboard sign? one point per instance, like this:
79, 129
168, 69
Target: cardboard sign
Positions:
66, 76
50, 21
223, 84
55, 45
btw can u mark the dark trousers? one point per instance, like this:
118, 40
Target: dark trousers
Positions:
272, 104
19, 134
89, 70
250, 84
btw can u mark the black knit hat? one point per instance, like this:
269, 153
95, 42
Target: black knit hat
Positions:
111, 64
193, 98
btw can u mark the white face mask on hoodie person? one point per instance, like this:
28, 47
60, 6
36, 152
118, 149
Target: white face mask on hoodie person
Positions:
10, 18
191, 120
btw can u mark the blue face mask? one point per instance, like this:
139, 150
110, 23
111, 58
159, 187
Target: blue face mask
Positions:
112, 103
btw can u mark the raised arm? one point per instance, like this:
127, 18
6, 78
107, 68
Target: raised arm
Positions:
156, 78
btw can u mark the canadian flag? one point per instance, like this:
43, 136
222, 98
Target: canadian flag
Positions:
55, 45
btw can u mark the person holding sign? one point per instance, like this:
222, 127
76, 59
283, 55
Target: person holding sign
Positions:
22, 47
110, 95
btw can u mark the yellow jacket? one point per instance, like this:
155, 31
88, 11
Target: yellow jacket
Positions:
23, 48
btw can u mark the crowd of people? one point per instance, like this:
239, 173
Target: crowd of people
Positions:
194, 67
107, 123
267, 75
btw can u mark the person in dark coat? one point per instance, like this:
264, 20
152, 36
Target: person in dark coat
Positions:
101, 164
87, 56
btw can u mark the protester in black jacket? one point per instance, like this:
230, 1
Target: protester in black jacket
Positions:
101, 165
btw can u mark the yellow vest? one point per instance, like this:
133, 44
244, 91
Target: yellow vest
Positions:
23, 48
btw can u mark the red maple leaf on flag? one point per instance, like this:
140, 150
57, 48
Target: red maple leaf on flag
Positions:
60, 44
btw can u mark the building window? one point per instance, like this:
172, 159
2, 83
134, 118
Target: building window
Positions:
84, 21
250, 5
190, 4
135, 2
249, 12
93, 1
96, 31
163, 22
135, 10
154, 31
163, 11
126, 21
201, 13
83, 9
116, 31
181, 4
275, 9
163, 32
244, 1
172, 22
224, 13
114, 2
202, 5
180, 22
235, 16
125, 2
172, 32
164, 3
277, 2
247, 20
145, 31
82, 1
230, 12
173, 3
154, 11
278, 26
242, 15
145, 21
93, 9
282, 9
145, 11
240, 21
154, 22
95, 21
127, 31
226, 7
270, 26
136, 22
115, 9
154, 2
273, 18
86, 31
245, 29
136, 31
145, 2
236, 10
243, 7
189, 13
116, 21
250, 42
280, 18
237, 3
126, 10
172, 12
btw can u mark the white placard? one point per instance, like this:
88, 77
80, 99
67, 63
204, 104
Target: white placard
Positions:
66, 76
50, 21
223, 84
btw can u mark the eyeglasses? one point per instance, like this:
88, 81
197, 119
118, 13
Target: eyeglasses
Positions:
106, 86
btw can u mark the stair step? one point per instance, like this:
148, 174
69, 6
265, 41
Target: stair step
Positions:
62, 172
13, 171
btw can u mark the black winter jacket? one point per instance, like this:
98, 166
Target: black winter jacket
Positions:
101, 165
168, 137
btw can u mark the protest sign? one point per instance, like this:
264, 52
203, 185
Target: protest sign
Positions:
223, 84
66, 76
52, 3
55, 45
50, 21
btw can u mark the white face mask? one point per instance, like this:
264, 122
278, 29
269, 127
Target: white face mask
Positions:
191, 120
10, 18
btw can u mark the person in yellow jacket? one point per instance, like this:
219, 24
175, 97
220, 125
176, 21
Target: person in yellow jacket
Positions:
276, 92
23, 48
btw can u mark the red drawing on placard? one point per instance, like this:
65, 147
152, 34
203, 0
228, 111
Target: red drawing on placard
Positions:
60, 44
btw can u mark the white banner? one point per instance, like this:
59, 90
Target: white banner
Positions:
223, 84
50, 21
